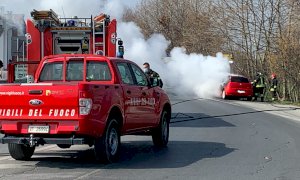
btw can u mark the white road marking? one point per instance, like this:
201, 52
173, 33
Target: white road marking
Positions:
88, 174
17, 166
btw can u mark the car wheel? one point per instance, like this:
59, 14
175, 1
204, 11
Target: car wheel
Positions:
64, 146
160, 135
224, 95
107, 147
20, 151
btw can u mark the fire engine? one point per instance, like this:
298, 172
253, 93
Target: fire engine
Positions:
47, 34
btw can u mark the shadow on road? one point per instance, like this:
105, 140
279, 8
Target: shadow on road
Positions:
197, 120
138, 155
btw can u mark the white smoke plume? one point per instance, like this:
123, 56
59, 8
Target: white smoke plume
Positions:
183, 73
196, 74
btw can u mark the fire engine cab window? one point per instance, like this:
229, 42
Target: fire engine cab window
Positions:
74, 70
140, 77
97, 71
125, 73
52, 72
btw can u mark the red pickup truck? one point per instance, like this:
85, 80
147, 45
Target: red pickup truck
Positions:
83, 99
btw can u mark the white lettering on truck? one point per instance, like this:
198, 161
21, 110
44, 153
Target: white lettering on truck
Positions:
38, 112
62, 112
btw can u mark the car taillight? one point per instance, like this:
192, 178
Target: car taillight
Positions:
85, 106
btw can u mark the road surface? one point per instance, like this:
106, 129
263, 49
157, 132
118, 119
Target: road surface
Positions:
209, 139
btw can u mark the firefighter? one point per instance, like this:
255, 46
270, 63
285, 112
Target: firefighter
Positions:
273, 88
259, 86
152, 75
1, 67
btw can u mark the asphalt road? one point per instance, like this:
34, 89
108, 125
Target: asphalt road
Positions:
209, 139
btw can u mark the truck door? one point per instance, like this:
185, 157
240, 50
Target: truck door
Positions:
134, 112
148, 101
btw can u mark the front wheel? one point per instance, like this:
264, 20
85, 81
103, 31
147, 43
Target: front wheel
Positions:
160, 135
20, 151
107, 147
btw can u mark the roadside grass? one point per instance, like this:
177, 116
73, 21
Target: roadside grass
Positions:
288, 103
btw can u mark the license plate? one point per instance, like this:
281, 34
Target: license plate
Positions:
239, 91
38, 129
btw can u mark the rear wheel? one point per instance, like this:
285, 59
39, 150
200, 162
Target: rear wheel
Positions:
107, 147
64, 146
160, 135
224, 95
20, 151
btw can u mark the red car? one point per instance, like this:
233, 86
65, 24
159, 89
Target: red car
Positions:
237, 86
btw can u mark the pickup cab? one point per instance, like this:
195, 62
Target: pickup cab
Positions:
83, 99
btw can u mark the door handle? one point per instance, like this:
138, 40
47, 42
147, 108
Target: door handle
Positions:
128, 92
35, 92
144, 93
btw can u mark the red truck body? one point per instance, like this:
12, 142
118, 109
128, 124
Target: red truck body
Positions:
74, 97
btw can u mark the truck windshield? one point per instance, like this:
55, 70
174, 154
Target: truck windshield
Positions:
52, 72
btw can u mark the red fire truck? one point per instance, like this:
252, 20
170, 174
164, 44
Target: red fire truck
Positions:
46, 34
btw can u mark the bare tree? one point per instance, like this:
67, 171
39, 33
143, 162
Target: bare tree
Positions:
184, 23
262, 35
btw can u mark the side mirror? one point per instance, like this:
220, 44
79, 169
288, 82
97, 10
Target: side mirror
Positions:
155, 81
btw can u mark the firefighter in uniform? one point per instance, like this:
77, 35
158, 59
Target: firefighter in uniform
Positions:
152, 75
1, 67
259, 86
273, 88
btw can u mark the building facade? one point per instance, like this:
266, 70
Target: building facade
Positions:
12, 37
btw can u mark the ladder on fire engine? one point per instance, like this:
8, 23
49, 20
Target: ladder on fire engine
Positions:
50, 16
99, 28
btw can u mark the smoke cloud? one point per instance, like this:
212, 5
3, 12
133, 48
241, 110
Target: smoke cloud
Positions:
182, 73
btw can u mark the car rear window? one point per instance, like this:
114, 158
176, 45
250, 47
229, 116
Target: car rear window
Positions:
52, 72
239, 79
74, 70
97, 71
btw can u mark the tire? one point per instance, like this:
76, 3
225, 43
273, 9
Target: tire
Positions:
64, 146
20, 151
224, 95
107, 148
160, 135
